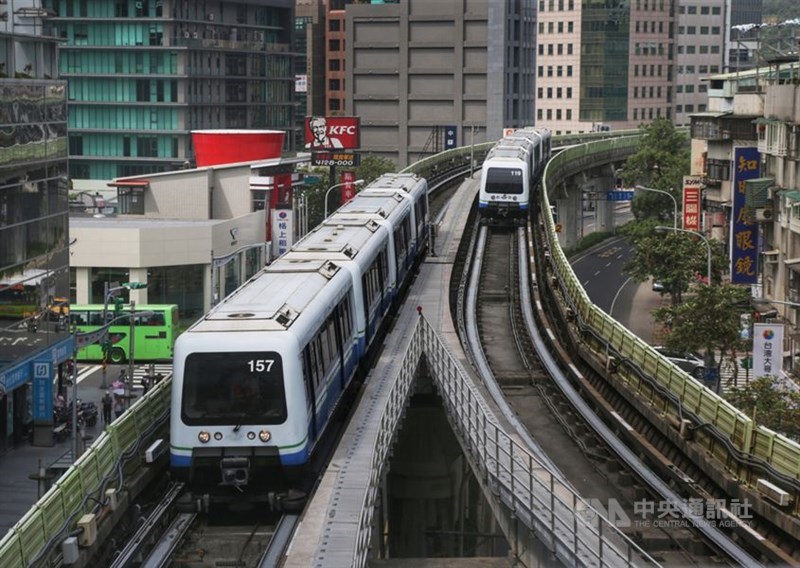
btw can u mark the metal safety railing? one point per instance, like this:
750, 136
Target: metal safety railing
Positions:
82, 488
570, 528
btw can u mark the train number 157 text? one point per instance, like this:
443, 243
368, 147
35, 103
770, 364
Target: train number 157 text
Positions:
260, 365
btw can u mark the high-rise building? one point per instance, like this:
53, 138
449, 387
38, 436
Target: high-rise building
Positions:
34, 229
309, 70
143, 74
700, 53
423, 76
603, 65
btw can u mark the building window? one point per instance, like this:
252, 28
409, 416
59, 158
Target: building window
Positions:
334, 64
569, 114
334, 25
333, 45
130, 200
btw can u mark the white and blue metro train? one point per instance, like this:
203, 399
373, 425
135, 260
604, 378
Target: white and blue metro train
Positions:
509, 175
256, 380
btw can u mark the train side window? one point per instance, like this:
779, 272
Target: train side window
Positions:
324, 348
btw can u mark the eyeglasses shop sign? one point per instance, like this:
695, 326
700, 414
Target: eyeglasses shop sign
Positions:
767, 349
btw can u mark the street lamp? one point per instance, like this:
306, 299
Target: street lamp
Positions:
674, 203
327, 193
108, 293
661, 229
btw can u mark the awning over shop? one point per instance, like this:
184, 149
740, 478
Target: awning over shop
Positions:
792, 194
130, 183
773, 252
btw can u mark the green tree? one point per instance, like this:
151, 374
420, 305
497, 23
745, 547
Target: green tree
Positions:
675, 259
371, 168
661, 159
708, 320
769, 406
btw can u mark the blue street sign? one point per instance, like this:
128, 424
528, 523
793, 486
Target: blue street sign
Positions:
450, 137
619, 195
42, 392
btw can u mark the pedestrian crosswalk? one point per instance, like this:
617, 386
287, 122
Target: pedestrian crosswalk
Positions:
141, 372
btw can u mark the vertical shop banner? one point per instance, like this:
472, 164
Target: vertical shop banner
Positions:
282, 230
280, 197
744, 237
349, 187
42, 392
691, 203
767, 349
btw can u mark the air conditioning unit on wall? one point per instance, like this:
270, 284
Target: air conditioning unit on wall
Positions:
764, 215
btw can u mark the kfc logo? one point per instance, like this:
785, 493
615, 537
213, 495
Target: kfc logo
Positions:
332, 133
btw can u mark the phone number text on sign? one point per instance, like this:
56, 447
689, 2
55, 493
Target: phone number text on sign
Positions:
335, 159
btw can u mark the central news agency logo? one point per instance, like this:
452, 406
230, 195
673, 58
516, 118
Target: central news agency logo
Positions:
768, 334
685, 513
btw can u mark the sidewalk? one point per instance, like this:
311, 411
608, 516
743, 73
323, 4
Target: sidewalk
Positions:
19, 490
640, 321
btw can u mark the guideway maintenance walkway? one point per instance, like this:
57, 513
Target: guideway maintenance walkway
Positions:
337, 526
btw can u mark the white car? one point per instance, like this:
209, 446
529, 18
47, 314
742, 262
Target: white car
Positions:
692, 363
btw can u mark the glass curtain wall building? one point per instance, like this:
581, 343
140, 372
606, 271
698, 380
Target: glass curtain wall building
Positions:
34, 228
143, 73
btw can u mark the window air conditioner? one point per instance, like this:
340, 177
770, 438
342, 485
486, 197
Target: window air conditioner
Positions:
763, 215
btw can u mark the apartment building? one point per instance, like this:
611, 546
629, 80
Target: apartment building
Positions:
143, 74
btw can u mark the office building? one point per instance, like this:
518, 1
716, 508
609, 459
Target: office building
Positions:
423, 76
34, 228
143, 74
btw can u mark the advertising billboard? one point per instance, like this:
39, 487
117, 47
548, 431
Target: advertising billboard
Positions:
692, 186
332, 132
767, 349
744, 240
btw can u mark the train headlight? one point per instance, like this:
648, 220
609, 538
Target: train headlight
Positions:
251, 435
217, 436
264, 436
204, 437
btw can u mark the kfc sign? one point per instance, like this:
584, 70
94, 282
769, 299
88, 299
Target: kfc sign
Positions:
332, 132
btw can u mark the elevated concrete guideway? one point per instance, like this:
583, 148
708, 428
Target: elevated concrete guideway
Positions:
352, 512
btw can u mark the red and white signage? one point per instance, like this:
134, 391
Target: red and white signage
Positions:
332, 132
349, 187
692, 187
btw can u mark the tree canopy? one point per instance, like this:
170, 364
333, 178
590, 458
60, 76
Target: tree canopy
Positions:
769, 406
661, 160
708, 320
371, 168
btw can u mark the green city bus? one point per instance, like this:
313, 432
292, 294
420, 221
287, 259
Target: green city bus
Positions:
153, 339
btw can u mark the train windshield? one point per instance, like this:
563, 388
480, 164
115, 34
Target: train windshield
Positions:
233, 388
504, 180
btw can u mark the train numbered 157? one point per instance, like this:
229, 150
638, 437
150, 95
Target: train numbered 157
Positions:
510, 172
257, 379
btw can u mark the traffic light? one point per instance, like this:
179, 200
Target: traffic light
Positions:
119, 304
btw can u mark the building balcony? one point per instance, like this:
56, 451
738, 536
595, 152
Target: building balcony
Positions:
782, 103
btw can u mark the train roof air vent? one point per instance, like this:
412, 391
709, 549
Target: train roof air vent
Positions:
349, 252
286, 316
241, 315
372, 225
328, 269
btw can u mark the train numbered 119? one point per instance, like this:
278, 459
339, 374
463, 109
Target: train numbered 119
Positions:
257, 379
509, 174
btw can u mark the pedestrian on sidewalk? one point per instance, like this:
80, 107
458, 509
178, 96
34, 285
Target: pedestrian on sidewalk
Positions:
108, 403
119, 408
